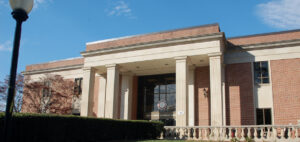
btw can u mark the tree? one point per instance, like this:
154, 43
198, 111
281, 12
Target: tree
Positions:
50, 94
18, 93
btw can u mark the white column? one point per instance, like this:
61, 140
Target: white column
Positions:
181, 91
191, 91
126, 96
216, 93
112, 92
101, 96
86, 105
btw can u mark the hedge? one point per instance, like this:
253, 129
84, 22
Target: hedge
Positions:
55, 128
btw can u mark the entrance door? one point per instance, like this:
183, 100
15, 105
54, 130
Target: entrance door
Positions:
157, 98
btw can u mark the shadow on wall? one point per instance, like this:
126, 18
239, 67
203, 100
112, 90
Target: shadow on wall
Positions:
239, 88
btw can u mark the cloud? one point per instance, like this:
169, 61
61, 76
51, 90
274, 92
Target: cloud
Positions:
6, 46
120, 8
283, 14
37, 3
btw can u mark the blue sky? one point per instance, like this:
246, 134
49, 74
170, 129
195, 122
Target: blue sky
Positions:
58, 29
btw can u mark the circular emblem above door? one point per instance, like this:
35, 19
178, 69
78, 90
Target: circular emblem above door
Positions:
162, 105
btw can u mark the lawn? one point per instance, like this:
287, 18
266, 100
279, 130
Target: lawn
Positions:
155, 141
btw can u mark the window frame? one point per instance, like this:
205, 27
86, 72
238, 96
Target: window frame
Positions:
260, 73
78, 86
264, 116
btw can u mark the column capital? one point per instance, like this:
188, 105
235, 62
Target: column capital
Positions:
181, 58
111, 66
101, 74
215, 54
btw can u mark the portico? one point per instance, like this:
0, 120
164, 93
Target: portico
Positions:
116, 68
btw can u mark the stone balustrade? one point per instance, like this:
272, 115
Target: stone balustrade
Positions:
238, 133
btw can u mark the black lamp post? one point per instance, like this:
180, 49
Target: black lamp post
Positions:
20, 8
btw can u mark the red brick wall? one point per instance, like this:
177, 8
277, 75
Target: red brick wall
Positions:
286, 90
202, 104
239, 94
174, 34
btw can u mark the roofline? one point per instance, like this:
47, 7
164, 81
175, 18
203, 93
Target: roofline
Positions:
151, 44
152, 33
68, 59
265, 34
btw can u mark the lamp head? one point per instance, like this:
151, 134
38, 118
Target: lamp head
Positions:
25, 5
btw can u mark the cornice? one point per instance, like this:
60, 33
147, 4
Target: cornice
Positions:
260, 46
153, 44
53, 69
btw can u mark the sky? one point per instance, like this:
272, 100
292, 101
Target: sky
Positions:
58, 30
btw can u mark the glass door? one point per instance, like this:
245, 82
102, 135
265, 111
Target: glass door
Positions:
157, 98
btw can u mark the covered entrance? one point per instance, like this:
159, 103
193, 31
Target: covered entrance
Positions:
157, 98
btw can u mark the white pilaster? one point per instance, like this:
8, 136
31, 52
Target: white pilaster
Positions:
191, 94
216, 93
181, 91
126, 96
101, 96
112, 92
86, 107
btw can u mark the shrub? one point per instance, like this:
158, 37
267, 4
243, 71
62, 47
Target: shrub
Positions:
55, 128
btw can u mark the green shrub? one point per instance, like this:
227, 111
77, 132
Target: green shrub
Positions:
54, 128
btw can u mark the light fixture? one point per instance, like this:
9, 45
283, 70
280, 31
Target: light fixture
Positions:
25, 5
205, 93
21, 9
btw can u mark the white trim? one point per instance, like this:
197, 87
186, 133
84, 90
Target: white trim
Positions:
271, 91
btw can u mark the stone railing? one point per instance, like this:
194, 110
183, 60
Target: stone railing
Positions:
234, 133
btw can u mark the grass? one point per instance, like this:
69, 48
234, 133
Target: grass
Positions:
156, 141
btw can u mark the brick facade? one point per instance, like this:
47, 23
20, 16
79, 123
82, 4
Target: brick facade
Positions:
154, 37
202, 105
286, 90
239, 94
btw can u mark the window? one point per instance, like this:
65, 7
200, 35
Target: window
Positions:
261, 72
47, 89
263, 116
77, 87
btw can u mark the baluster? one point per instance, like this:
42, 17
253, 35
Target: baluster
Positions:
268, 133
194, 134
173, 133
235, 132
230, 133
161, 135
205, 134
242, 134
255, 133
200, 134
289, 133
177, 131
275, 134
215, 133
281, 133
296, 133
189, 133
181, 133
224, 134
262, 133
248, 132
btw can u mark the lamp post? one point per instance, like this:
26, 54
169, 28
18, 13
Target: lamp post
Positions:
21, 9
